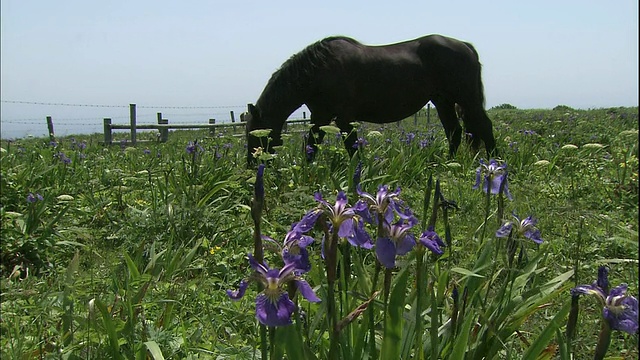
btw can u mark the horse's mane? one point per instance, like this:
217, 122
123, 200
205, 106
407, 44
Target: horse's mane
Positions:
294, 75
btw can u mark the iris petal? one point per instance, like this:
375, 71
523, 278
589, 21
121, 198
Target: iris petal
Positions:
386, 252
306, 291
261, 268
308, 221
360, 236
478, 173
406, 244
238, 294
534, 235
589, 290
276, 313
346, 228
504, 230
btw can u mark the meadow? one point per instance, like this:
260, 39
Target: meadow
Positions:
128, 252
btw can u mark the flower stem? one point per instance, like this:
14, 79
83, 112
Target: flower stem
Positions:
331, 270
372, 330
419, 297
604, 339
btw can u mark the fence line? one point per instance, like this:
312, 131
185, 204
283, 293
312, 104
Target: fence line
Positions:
119, 106
162, 125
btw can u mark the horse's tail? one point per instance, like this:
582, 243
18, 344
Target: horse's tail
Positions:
480, 89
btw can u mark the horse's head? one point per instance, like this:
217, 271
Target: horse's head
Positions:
256, 139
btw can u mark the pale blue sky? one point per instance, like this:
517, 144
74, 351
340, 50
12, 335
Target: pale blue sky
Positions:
536, 54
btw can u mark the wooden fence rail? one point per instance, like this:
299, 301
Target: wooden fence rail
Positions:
163, 126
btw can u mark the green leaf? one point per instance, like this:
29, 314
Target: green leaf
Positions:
392, 339
110, 328
154, 350
292, 341
466, 272
133, 269
541, 342
460, 342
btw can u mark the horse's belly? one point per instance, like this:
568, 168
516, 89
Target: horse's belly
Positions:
390, 107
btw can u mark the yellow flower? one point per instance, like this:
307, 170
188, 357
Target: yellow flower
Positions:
142, 202
214, 249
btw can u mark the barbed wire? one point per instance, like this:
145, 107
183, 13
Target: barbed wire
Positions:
120, 106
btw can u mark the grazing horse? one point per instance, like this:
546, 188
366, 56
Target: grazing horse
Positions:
342, 80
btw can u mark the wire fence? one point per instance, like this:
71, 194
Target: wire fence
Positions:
118, 106
187, 113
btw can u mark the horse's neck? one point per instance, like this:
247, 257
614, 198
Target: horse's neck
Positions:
277, 110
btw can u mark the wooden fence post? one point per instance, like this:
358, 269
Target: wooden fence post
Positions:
132, 119
428, 114
52, 137
415, 118
164, 132
107, 131
212, 130
233, 120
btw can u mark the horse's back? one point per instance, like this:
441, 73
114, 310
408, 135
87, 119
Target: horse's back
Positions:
385, 83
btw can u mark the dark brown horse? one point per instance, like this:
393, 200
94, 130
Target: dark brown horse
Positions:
340, 79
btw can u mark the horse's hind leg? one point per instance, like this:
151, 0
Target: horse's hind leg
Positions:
447, 113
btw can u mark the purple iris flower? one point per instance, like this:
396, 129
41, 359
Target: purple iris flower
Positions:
360, 143
64, 158
525, 227
385, 202
31, 198
618, 309
495, 174
432, 241
193, 147
399, 241
340, 216
309, 149
273, 305
295, 251
409, 138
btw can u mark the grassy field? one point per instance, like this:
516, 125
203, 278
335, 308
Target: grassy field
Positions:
127, 252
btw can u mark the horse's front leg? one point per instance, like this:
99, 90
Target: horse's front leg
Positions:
315, 136
448, 117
